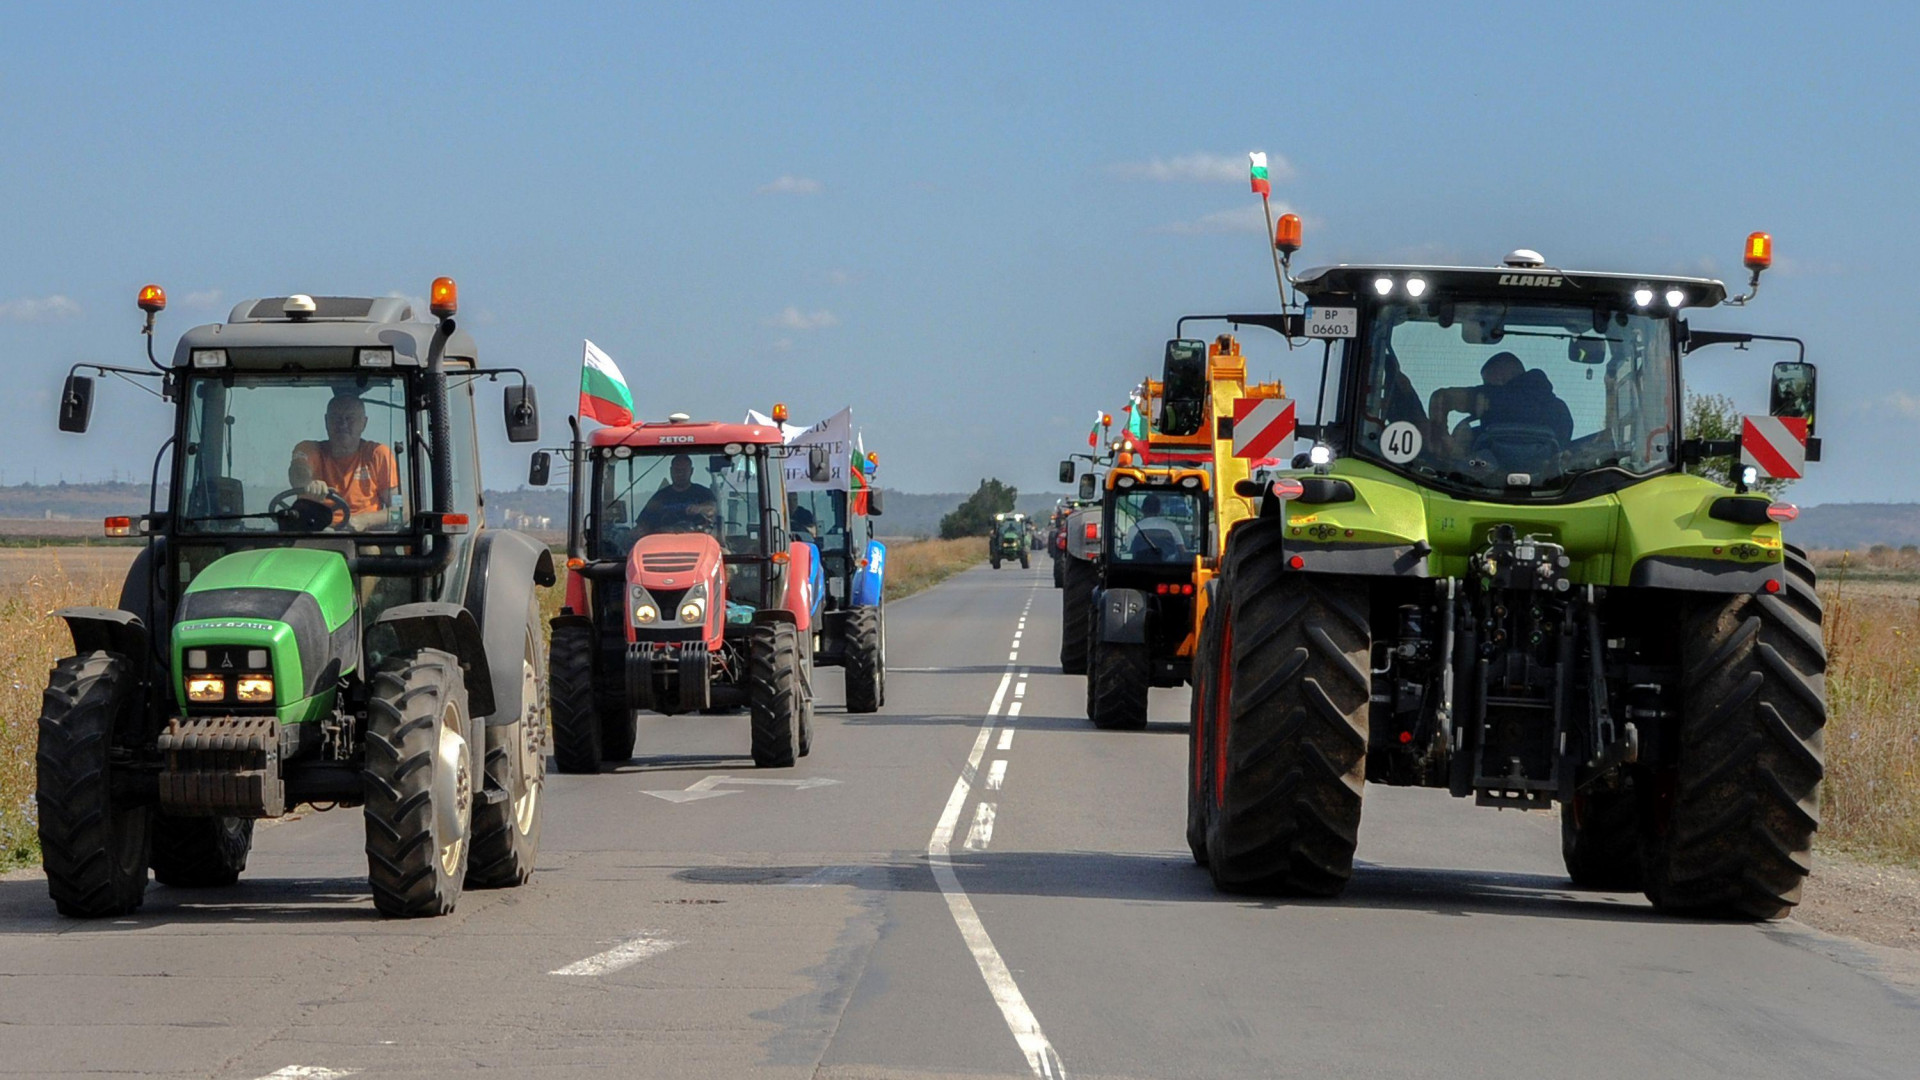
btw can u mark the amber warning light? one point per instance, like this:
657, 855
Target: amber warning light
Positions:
1759, 251
1286, 234
444, 300
153, 298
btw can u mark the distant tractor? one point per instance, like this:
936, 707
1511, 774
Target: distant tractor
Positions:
1492, 574
318, 616
688, 591
852, 629
1007, 541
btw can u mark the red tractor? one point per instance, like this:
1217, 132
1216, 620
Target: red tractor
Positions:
688, 592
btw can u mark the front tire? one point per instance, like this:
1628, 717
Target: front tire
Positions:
1208, 686
1286, 817
1736, 830
93, 847
773, 695
200, 852
419, 785
576, 723
506, 834
1118, 681
864, 665
1600, 839
1076, 600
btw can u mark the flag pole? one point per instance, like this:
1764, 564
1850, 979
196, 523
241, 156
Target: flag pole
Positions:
1279, 275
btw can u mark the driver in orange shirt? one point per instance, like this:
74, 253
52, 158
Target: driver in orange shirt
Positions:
359, 472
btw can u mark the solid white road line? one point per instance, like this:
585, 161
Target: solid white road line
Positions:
981, 834
308, 1072
997, 775
1041, 1056
625, 954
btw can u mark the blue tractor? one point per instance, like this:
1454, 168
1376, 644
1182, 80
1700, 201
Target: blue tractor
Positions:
850, 630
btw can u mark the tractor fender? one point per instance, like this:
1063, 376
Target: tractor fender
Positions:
803, 588
450, 628
1373, 560
1123, 616
870, 581
99, 629
507, 567
1703, 575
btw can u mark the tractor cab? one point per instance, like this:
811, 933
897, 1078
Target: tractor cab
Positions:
1155, 531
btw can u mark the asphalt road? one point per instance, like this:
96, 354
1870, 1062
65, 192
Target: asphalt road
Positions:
972, 882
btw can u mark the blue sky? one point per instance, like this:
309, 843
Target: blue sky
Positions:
974, 224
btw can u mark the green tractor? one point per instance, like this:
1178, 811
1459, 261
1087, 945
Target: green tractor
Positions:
318, 616
1007, 540
1492, 573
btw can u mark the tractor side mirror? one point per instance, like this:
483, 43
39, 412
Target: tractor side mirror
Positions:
76, 404
1794, 386
873, 502
818, 469
539, 468
1087, 488
523, 414
1066, 472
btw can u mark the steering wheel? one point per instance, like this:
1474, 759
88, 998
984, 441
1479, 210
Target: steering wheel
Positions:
1518, 448
295, 506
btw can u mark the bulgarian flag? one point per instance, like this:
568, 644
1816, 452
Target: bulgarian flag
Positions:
604, 397
1093, 437
1257, 171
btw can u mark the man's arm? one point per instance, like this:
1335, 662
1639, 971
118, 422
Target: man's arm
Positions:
1449, 400
300, 469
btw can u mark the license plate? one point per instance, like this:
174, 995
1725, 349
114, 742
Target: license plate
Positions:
1332, 322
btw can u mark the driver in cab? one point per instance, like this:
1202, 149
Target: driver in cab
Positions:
357, 476
1510, 396
681, 502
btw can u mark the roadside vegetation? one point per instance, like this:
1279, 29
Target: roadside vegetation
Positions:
974, 517
917, 565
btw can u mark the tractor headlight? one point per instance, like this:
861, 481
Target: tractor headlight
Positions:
254, 689
208, 358
644, 609
206, 689
693, 607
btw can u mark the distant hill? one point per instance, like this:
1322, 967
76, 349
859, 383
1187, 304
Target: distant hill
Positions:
1855, 526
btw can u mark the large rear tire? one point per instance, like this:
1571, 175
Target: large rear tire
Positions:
619, 730
1026, 561
863, 660
576, 723
1076, 599
1059, 572
1286, 816
506, 834
200, 852
1118, 679
1600, 839
419, 782
773, 690
1735, 834
93, 846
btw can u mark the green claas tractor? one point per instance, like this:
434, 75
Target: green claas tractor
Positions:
1007, 540
1492, 573
317, 617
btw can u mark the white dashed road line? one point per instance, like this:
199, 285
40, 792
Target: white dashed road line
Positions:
981, 834
1040, 1054
1006, 740
308, 1072
997, 775
625, 954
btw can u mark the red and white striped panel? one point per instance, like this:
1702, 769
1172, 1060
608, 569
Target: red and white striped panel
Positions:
1260, 425
1775, 445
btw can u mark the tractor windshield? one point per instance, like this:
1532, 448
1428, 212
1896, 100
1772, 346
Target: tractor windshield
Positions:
1157, 526
676, 491
1489, 396
294, 453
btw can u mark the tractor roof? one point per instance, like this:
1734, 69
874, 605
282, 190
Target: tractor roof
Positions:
342, 323
685, 434
1533, 282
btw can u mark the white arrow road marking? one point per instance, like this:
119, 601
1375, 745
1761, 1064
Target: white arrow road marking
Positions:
308, 1072
625, 954
704, 788
997, 775
1041, 1056
981, 834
